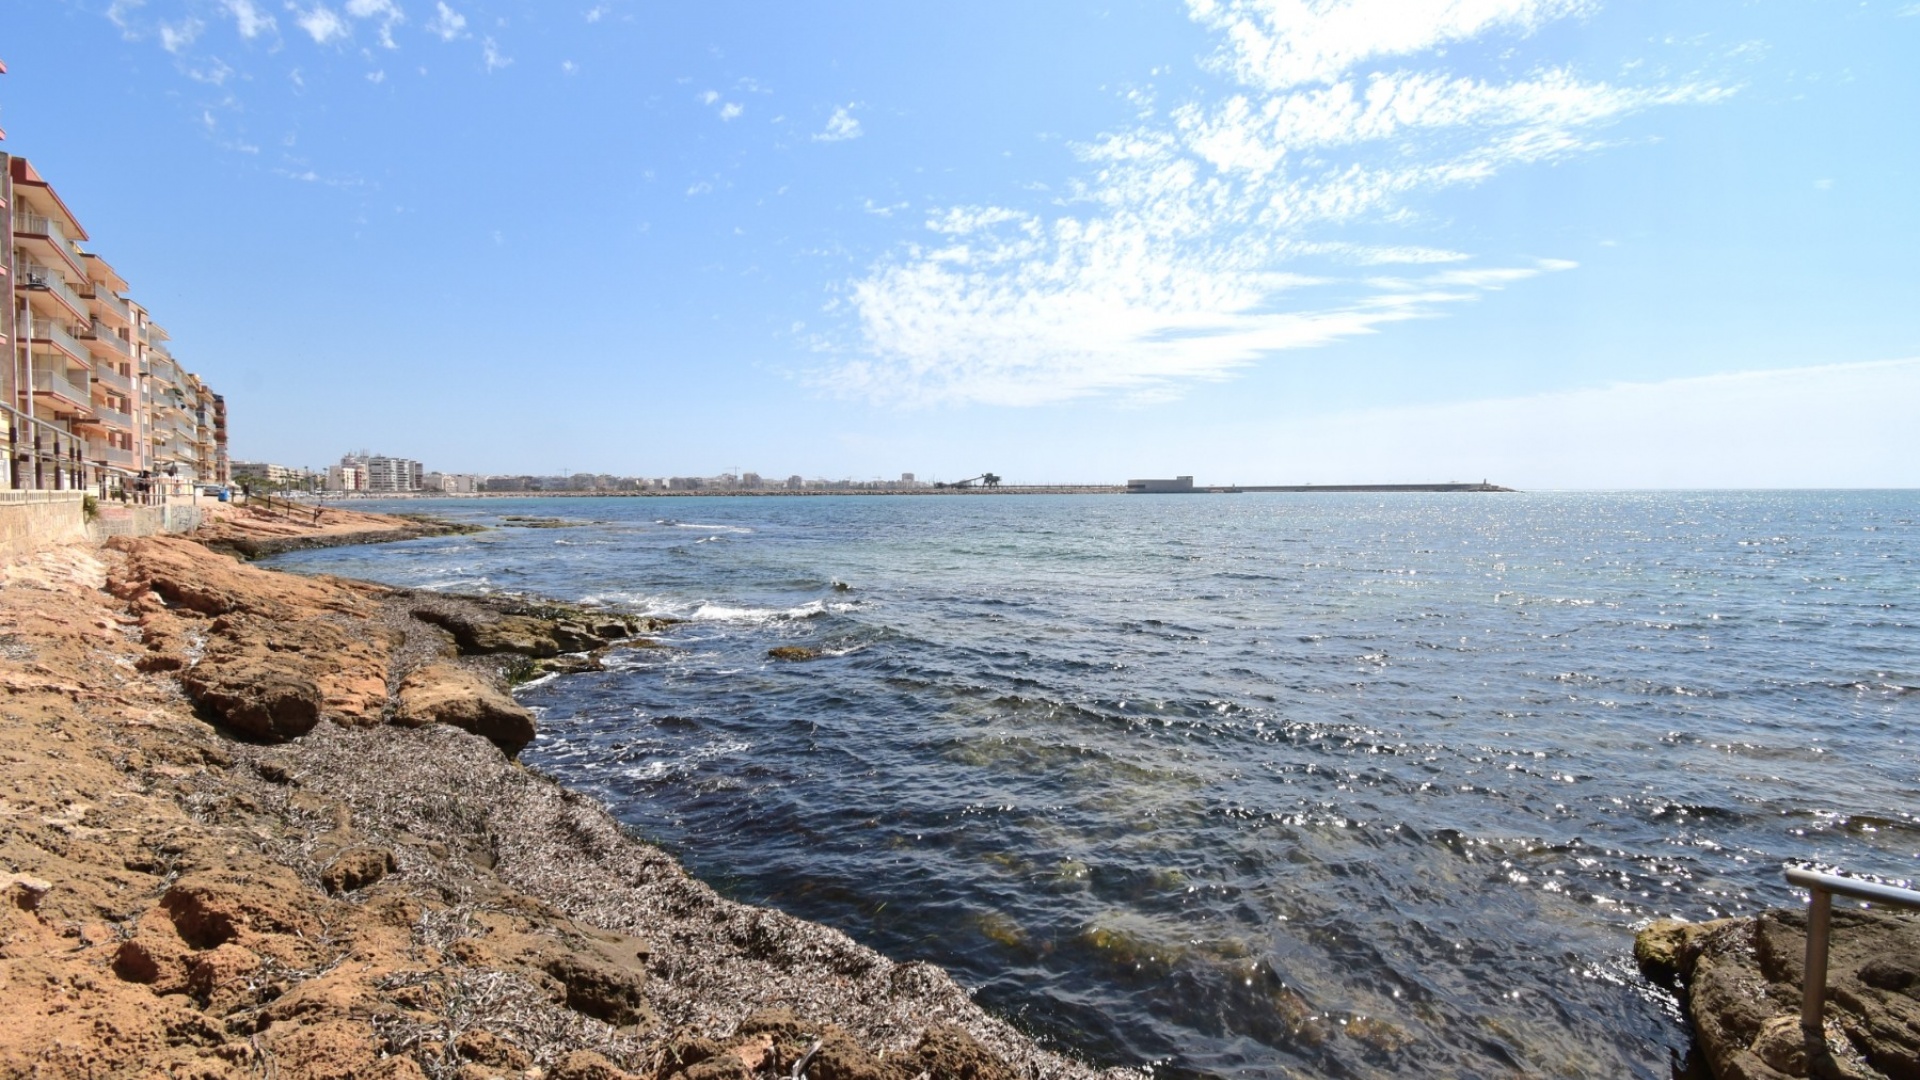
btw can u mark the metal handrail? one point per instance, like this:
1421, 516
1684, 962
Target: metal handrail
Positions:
1821, 889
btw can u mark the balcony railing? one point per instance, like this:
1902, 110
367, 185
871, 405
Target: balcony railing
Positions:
107, 336
109, 376
53, 382
114, 455
104, 297
59, 335
35, 276
113, 416
26, 221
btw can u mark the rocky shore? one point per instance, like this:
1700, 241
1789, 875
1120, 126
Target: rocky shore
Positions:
253, 824
1740, 983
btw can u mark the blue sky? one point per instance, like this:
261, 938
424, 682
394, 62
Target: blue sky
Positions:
1553, 243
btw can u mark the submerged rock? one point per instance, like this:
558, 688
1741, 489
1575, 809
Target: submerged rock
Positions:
793, 652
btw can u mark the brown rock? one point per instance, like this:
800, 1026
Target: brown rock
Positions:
840, 1058
1743, 987
793, 652
209, 910
614, 994
356, 868
217, 979
328, 1050
450, 694
947, 1052
1666, 949
486, 1048
262, 699
586, 1065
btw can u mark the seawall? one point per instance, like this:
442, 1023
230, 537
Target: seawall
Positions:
32, 521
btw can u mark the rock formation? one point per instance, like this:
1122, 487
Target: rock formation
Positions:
1741, 982
259, 824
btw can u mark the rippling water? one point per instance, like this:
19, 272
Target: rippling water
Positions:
1248, 785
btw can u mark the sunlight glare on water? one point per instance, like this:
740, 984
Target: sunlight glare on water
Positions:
1247, 785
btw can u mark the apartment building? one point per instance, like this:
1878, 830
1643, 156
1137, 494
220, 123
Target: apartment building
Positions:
93, 398
268, 474
375, 472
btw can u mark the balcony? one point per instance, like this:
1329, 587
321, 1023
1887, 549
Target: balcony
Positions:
105, 303
114, 455
56, 385
113, 417
39, 279
40, 233
114, 344
60, 338
109, 376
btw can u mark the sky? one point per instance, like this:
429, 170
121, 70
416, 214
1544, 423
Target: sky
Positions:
1547, 243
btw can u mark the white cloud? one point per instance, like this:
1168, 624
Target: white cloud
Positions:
120, 13
491, 56
840, 126
215, 72
447, 23
249, 19
322, 24
376, 77
568, 67
177, 36
596, 13
1280, 44
709, 97
386, 12
731, 111
1168, 262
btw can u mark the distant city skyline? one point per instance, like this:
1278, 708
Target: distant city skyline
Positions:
1551, 243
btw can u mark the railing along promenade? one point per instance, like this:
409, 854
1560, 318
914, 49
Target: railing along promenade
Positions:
43, 456
1821, 889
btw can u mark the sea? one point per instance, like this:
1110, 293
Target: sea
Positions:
1245, 785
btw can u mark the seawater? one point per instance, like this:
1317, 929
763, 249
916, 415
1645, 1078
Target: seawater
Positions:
1247, 785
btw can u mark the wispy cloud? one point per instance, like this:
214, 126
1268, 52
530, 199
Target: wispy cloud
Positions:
731, 110
248, 19
322, 24
384, 12
447, 23
1168, 261
492, 57
1279, 44
840, 126
177, 36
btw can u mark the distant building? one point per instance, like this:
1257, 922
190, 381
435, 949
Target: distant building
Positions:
263, 472
346, 477
379, 473
1176, 486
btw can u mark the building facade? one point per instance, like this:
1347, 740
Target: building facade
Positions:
93, 398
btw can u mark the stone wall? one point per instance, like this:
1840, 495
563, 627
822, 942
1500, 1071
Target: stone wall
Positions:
144, 520
32, 520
